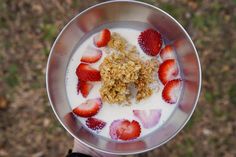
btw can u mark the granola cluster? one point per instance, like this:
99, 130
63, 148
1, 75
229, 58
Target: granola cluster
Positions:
145, 79
122, 69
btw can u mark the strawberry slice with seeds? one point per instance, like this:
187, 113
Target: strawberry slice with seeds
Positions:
91, 55
171, 91
150, 42
86, 73
88, 108
148, 118
168, 70
102, 38
95, 124
167, 53
125, 130
84, 88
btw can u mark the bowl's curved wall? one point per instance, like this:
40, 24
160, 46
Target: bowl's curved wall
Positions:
113, 12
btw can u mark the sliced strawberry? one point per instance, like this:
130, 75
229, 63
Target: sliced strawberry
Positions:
167, 53
91, 55
84, 88
124, 129
168, 70
103, 38
114, 128
149, 118
150, 42
86, 73
88, 108
171, 91
95, 124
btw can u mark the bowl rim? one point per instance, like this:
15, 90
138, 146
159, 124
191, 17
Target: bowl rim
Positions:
148, 5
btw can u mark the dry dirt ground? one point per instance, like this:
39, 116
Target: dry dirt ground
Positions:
28, 126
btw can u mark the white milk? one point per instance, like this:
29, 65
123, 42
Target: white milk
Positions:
108, 112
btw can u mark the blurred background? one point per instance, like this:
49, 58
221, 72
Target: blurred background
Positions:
28, 126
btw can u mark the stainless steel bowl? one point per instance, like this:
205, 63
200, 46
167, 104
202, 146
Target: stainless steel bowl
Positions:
120, 11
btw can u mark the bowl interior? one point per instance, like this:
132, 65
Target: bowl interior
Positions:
108, 13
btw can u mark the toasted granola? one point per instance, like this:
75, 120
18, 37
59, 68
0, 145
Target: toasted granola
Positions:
117, 42
145, 78
122, 68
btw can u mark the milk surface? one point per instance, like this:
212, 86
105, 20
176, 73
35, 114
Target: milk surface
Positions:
111, 112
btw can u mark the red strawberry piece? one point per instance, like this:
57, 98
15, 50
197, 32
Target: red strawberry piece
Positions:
148, 118
171, 91
84, 88
102, 38
150, 42
88, 108
168, 70
167, 53
95, 124
86, 73
124, 129
91, 55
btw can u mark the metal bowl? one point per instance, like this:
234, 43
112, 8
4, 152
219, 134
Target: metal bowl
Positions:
123, 11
